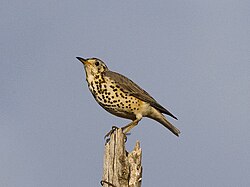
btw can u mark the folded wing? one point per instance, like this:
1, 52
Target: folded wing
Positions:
134, 90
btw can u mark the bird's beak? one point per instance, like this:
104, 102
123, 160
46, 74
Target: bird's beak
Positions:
84, 61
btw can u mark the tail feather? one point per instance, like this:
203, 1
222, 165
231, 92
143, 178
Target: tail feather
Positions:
156, 115
168, 125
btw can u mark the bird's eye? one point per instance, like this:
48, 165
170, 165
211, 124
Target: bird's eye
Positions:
97, 63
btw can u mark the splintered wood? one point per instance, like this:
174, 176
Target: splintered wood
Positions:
120, 168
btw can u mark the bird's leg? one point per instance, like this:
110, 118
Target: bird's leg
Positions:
131, 125
125, 129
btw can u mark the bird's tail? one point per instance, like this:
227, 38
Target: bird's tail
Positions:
168, 125
162, 119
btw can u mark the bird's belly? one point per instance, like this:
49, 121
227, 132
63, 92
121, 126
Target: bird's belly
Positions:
115, 100
120, 113
121, 108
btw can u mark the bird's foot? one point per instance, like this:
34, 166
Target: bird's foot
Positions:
107, 136
110, 132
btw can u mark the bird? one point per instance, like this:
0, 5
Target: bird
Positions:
122, 97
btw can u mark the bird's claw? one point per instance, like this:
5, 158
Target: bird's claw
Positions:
107, 136
110, 132
114, 128
106, 182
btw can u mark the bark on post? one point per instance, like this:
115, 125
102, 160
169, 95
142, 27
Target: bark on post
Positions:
120, 168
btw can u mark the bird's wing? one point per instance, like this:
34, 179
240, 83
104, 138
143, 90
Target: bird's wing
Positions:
134, 90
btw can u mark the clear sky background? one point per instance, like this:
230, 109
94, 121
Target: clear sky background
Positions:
193, 57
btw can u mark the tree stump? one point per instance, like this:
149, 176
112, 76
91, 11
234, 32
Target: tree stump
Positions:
120, 168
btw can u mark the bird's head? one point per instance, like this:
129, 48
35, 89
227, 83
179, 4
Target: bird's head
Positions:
93, 66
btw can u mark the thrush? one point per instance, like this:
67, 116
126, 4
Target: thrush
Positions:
122, 97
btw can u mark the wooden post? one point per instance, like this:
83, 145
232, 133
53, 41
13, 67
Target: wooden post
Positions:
120, 168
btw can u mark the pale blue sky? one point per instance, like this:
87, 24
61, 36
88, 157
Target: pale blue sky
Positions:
193, 57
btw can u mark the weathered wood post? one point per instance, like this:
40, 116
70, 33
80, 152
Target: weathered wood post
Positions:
120, 168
